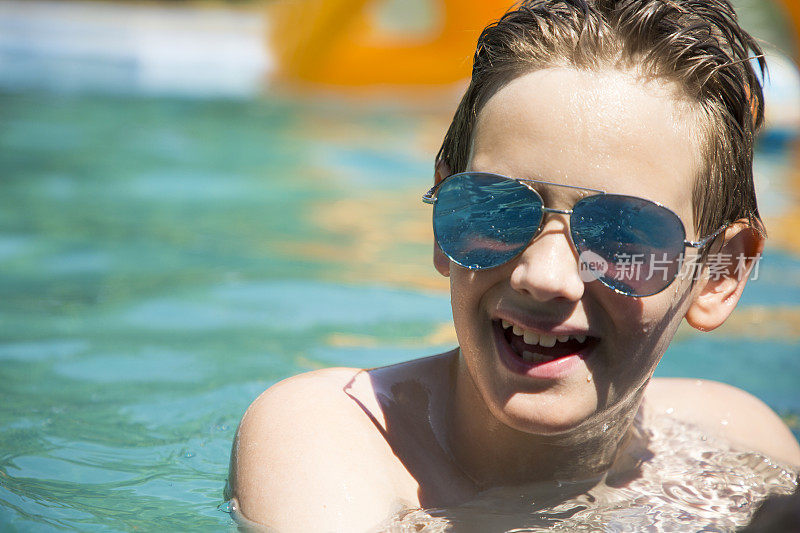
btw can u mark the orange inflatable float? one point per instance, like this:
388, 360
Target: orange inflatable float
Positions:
339, 43
792, 9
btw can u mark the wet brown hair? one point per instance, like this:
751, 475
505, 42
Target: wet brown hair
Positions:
697, 44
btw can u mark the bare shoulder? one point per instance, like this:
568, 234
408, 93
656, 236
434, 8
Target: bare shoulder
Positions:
307, 457
727, 411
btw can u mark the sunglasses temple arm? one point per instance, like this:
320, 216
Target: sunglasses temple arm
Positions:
705, 240
429, 197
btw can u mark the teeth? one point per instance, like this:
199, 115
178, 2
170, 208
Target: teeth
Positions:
531, 337
548, 341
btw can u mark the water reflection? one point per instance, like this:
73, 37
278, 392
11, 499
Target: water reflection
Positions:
165, 259
723, 491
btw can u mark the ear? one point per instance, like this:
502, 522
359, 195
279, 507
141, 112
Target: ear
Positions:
441, 261
724, 276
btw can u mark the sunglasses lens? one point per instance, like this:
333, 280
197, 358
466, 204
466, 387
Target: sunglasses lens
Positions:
482, 220
631, 245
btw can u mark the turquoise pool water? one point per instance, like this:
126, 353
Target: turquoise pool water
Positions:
163, 261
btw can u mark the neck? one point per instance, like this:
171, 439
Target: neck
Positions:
494, 454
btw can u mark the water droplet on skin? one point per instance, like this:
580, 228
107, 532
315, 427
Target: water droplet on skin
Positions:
588, 378
723, 422
670, 411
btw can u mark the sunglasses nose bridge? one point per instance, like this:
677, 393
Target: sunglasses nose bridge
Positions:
559, 211
565, 228
568, 222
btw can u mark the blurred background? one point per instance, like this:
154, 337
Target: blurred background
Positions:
198, 199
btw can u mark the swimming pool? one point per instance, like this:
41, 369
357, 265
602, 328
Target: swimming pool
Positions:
165, 260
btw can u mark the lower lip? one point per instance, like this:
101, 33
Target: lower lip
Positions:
555, 369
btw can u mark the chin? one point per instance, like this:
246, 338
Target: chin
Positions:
532, 415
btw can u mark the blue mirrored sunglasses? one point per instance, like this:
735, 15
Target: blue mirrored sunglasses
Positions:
631, 245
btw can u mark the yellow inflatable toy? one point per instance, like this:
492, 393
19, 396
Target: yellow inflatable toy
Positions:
338, 43
792, 9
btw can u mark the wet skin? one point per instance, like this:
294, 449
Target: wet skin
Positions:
609, 131
342, 449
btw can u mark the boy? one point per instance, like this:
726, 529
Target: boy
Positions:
601, 147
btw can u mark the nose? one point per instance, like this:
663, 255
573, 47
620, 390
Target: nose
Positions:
548, 268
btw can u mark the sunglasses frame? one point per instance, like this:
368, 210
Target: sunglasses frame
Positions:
430, 197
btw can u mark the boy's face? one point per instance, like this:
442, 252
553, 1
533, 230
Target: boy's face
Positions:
607, 131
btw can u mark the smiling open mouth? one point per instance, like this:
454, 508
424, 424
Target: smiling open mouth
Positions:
536, 349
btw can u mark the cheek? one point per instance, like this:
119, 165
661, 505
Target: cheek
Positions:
465, 301
461, 292
639, 319
646, 329
471, 296
468, 288
641, 331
